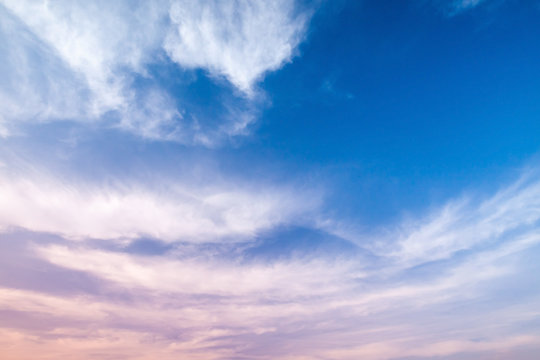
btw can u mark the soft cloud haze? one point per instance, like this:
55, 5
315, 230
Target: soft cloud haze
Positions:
220, 302
176, 183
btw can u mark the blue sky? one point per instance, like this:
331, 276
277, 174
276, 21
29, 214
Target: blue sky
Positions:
269, 180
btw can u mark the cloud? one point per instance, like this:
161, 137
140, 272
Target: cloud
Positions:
239, 39
466, 224
34, 83
201, 301
78, 61
172, 212
95, 40
310, 278
89, 61
221, 309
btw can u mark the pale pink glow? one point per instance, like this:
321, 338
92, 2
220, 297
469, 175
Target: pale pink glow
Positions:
99, 298
218, 310
214, 332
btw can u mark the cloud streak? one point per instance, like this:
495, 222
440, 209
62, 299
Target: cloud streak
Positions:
171, 212
467, 224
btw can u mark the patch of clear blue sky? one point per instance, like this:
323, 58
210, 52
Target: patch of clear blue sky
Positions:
407, 105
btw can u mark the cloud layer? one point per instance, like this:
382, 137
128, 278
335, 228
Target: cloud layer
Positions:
203, 296
91, 62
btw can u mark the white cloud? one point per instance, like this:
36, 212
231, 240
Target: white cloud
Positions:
301, 279
95, 39
34, 84
78, 60
239, 39
465, 224
70, 60
176, 212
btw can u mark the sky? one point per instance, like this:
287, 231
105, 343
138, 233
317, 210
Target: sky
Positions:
284, 180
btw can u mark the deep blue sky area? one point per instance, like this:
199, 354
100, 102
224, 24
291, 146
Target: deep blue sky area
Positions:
407, 104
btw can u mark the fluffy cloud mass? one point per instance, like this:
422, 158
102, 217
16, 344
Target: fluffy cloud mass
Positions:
89, 61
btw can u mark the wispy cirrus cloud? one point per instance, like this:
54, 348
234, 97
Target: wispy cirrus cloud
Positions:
468, 224
100, 47
176, 211
91, 62
240, 40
